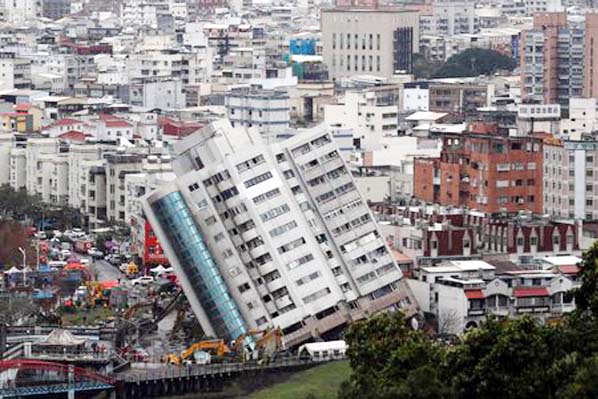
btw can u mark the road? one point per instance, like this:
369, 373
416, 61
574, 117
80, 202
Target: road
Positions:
106, 271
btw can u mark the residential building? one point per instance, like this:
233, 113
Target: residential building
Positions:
462, 294
157, 93
552, 60
461, 96
449, 18
571, 178
369, 41
267, 110
369, 120
485, 171
117, 166
272, 235
15, 72
156, 171
56, 9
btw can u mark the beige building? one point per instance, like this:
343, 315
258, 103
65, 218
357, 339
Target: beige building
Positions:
369, 41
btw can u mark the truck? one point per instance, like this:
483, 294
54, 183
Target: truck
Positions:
82, 246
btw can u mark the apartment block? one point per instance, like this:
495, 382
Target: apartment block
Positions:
267, 110
273, 235
458, 97
449, 18
369, 41
552, 59
571, 178
483, 171
15, 72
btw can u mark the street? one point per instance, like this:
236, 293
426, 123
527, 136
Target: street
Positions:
106, 271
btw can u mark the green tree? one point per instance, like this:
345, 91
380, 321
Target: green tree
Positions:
474, 62
389, 360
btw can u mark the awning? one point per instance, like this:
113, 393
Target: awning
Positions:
474, 294
570, 270
525, 292
107, 285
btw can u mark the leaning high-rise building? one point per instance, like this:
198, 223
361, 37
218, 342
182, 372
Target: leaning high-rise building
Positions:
272, 235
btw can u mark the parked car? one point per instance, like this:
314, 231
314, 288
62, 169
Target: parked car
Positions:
95, 253
65, 253
143, 280
114, 259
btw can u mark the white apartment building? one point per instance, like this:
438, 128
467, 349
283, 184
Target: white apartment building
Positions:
37, 178
161, 93
18, 168
93, 202
273, 235
266, 110
7, 144
370, 122
449, 18
78, 154
462, 294
376, 42
192, 67
583, 118
21, 11
571, 179
117, 166
416, 97
15, 72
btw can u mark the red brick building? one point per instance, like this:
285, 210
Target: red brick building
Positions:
483, 170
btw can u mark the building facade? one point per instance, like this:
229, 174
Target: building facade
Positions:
272, 235
552, 60
571, 179
369, 41
483, 171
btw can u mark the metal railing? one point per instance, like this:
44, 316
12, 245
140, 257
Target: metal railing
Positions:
196, 370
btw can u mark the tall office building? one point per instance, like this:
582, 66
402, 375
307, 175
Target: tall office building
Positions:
369, 41
272, 235
552, 60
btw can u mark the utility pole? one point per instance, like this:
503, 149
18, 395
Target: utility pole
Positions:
22, 251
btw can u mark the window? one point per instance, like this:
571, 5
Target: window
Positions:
283, 229
316, 295
275, 212
244, 287
308, 278
300, 261
291, 245
266, 196
258, 179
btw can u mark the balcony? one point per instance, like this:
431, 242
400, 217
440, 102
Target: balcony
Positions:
502, 311
275, 284
283, 302
476, 312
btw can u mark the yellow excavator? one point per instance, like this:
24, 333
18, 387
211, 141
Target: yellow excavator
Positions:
267, 343
215, 347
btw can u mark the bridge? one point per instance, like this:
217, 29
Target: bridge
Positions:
36, 378
152, 380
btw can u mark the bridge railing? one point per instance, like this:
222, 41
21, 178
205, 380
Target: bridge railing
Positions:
194, 370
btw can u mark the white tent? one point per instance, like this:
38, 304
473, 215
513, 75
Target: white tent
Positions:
13, 270
323, 350
60, 337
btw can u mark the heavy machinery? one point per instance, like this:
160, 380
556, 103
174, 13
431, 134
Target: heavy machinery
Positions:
266, 343
215, 347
